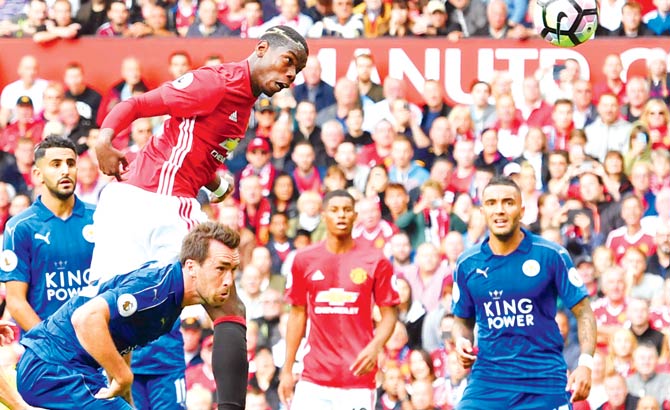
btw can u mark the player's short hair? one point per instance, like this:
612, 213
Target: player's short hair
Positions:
196, 243
501, 180
284, 36
53, 141
335, 194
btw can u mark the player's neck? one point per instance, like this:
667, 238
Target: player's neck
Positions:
502, 247
62, 208
339, 245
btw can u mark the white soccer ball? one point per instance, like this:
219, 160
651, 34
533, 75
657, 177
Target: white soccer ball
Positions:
566, 23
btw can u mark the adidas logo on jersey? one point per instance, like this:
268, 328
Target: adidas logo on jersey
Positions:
318, 275
233, 116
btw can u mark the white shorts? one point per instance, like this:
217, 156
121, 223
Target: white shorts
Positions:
133, 226
310, 396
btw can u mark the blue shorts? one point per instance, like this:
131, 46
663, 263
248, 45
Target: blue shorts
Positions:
160, 392
57, 387
477, 397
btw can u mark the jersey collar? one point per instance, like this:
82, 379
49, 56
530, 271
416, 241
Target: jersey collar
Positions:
524, 247
45, 213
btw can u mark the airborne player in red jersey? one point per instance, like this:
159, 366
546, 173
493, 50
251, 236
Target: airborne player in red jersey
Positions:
145, 217
335, 284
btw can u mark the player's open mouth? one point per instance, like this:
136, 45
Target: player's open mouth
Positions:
65, 182
281, 85
500, 221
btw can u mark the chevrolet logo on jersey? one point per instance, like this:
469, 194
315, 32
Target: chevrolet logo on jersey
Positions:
336, 298
229, 144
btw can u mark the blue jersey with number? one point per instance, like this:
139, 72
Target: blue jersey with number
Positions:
513, 300
143, 305
50, 254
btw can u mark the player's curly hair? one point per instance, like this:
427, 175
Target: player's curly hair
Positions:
196, 242
284, 36
53, 141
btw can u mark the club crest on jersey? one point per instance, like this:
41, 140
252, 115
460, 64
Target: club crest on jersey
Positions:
358, 276
575, 278
88, 233
183, 81
8, 260
126, 304
531, 268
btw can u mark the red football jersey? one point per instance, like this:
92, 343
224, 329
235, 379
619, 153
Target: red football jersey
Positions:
339, 292
209, 111
618, 240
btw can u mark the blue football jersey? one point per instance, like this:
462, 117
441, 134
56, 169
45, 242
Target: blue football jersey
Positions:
52, 255
513, 299
143, 305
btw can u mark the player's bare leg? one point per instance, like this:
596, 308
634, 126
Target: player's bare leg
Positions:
229, 354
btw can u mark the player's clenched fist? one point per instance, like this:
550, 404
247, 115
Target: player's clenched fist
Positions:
465, 352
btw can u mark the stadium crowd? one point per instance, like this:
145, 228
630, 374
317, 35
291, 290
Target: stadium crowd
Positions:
592, 161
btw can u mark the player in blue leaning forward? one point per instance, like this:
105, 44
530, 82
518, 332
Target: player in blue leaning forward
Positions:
508, 286
60, 367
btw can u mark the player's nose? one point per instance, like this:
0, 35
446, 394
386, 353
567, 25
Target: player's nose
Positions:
290, 73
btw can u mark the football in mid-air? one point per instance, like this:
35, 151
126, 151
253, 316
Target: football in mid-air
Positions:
566, 23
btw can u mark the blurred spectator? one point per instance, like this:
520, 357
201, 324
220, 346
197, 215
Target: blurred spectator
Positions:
307, 130
639, 147
252, 343
154, 24
36, 15
534, 153
255, 208
232, 14
261, 258
510, 126
571, 350
279, 244
613, 84
289, 15
406, 123
255, 400
434, 107
648, 403
268, 323
52, 98
640, 179
535, 112
638, 319
369, 91
75, 127
637, 94
131, 81
587, 271
140, 133
558, 133
332, 135
656, 117
253, 17
346, 99
306, 175
394, 89
88, 100
427, 221
433, 22
376, 16
314, 89
497, 24
199, 398
645, 381
25, 125
427, 278
400, 23
396, 201
377, 153
618, 396
640, 284
284, 196
403, 170
250, 291
464, 156
469, 14
117, 24
622, 343
370, 227
191, 331
482, 112
93, 14
345, 158
207, 23
659, 262
422, 397
25, 159
657, 75
266, 376
609, 15
182, 15
28, 84
202, 374
89, 182
610, 310
660, 179
441, 143
584, 111
608, 132
401, 251
281, 139
411, 313
461, 122
343, 23
597, 396
657, 20
631, 234
62, 26
557, 82
388, 394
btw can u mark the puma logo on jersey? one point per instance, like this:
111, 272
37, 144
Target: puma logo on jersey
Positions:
233, 116
45, 238
483, 272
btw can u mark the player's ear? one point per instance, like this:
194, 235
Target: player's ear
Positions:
190, 267
37, 173
262, 48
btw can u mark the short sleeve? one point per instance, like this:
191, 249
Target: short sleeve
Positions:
568, 281
386, 284
15, 259
462, 304
296, 291
126, 300
193, 94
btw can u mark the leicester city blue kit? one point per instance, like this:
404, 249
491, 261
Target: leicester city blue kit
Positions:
56, 372
50, 254
513, 300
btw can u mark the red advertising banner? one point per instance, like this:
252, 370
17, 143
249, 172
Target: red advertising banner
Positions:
456, 65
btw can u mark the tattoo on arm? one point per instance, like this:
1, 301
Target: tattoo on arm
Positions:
586, 326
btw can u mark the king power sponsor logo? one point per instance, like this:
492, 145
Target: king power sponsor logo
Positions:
63, 285
501, 313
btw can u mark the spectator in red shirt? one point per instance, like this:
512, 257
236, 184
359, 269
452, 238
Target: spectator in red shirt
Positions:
202, 373
370, 227
631, 234
118, 17
258, 158
255, 208
24, 126
612, 69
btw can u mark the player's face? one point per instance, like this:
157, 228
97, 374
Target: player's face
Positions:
503, 210
278, 67
339, 215
57, 170
216, 275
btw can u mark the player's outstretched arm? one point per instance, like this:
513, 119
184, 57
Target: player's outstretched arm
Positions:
463, 335
367, 358
11, 398
18, 306
579, 381
91, 325
295, 330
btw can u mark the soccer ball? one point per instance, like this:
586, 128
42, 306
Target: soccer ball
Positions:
566, 23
